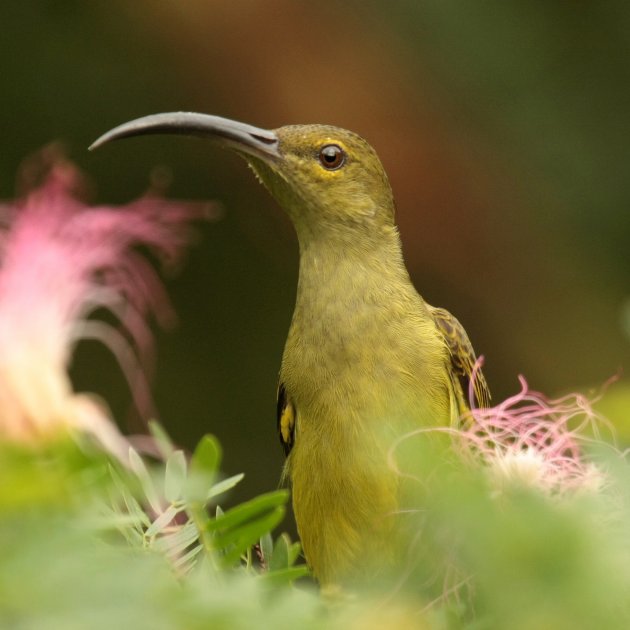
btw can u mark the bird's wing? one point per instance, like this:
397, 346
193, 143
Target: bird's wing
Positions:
462, 356
286, 420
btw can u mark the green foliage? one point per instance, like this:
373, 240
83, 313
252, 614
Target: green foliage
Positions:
89, 542
180, 499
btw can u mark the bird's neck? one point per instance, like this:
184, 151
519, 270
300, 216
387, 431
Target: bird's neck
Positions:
340, 277
354, 313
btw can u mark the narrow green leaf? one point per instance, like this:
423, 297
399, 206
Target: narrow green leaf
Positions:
136, 463
162, 521
182, 561
115, 520
224, 486
178, 541
294, 552
175, 476
117, 479
133, 507
141, 471
249, 510
132, 536
162, 440
266, 547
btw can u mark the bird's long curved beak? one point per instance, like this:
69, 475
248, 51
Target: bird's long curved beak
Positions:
239, 136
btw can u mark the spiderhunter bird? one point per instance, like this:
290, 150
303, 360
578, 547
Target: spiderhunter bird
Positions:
366, 358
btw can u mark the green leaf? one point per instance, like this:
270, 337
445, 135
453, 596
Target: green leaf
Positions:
162, 440
294, 552
139, 468
178, 541
132, 536
285, 576
162, 521
175, 476
266, 547
248, 510
222, 540
182, 561
241, 539
224, 486
116, 520
207, 455
131, 504
204, 465
280, 556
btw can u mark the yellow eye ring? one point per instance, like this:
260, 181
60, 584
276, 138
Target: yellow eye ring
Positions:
332, 157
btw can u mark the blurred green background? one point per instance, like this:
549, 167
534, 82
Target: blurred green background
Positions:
504, 128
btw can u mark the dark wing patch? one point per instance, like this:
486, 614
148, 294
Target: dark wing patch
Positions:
286, 420
462, 356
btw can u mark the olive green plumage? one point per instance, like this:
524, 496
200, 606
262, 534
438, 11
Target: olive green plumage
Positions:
366, 359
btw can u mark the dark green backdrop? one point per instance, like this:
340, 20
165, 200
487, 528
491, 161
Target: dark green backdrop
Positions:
504, 128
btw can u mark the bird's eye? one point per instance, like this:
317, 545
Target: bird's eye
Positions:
332, 157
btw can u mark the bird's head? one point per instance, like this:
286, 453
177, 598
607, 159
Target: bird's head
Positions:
329, 180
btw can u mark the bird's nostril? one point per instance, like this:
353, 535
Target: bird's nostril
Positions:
264, 139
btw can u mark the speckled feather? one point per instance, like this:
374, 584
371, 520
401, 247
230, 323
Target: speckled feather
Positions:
463, 356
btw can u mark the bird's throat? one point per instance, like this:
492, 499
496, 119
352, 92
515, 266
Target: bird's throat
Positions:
346, 296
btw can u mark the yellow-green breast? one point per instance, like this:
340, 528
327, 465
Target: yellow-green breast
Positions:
363, 363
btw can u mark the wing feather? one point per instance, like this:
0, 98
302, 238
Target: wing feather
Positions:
286, 420
463, 357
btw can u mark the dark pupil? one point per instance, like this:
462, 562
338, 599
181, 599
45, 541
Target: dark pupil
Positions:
331, 156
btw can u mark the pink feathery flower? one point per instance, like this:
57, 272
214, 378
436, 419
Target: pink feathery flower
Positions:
527, 440
532, 440
59, 261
